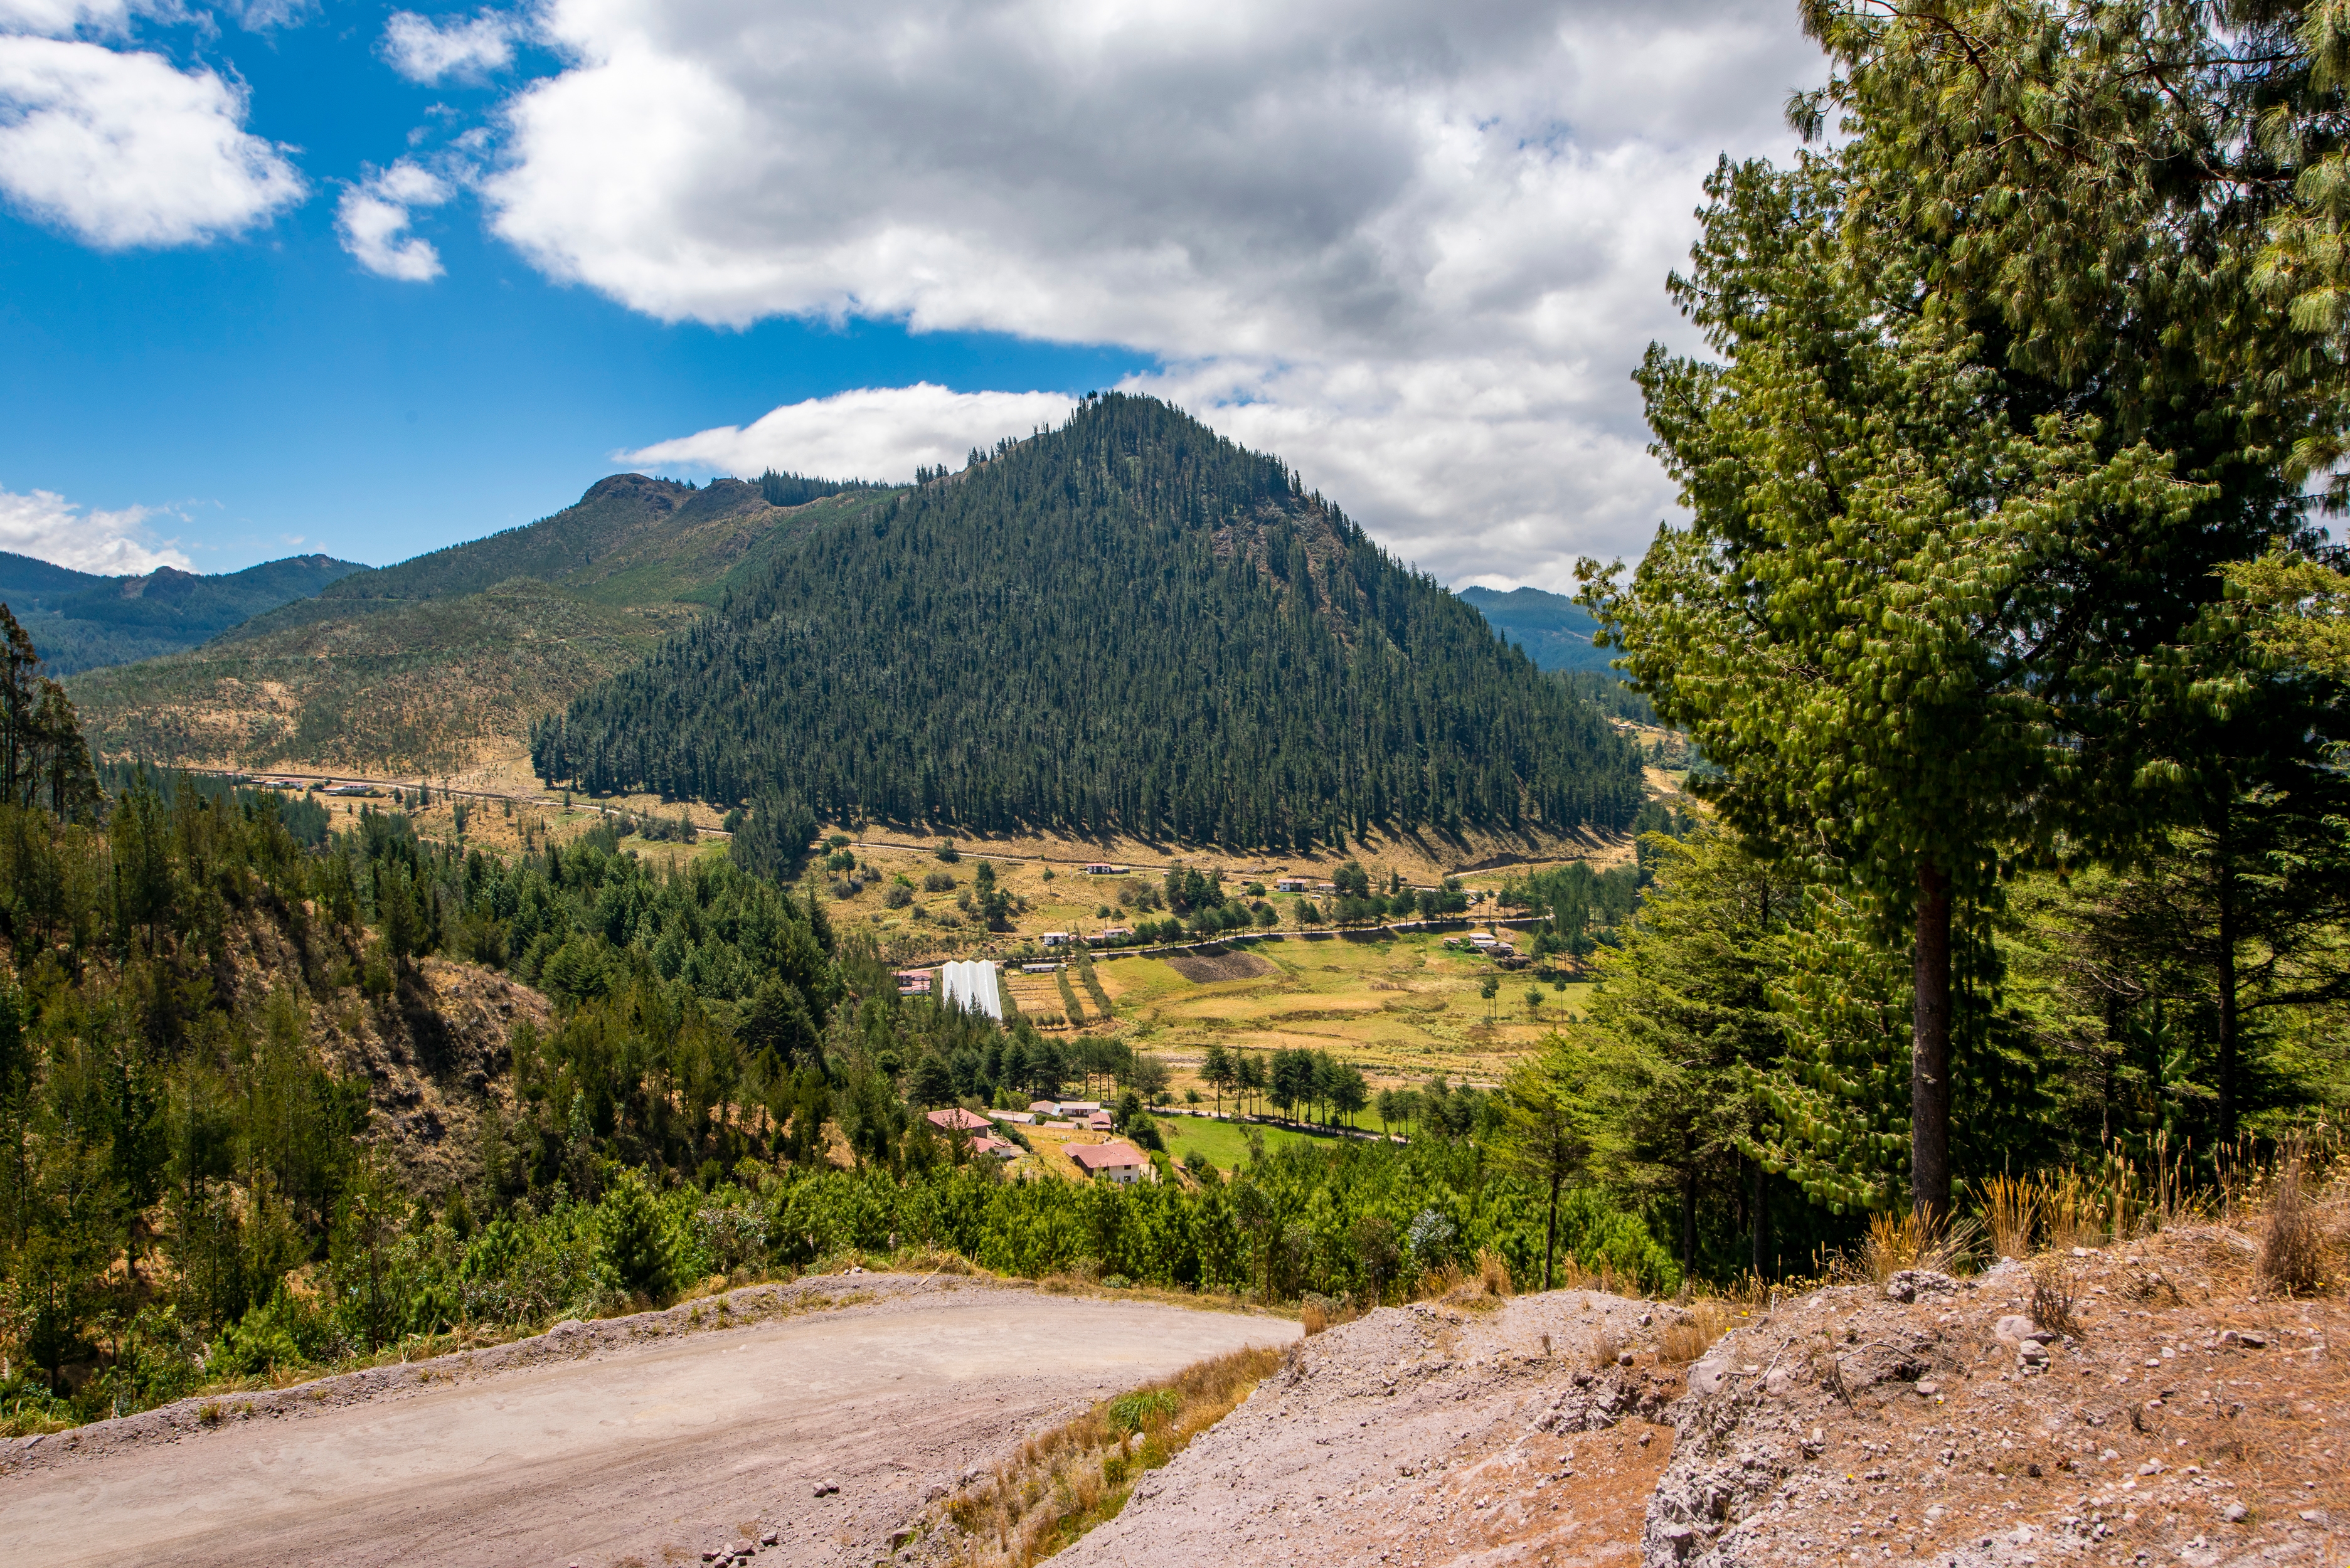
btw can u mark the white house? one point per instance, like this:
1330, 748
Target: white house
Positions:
1116, 1160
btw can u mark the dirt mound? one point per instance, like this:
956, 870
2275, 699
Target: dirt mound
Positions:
2184, 1420
1202, 968
1423, 1434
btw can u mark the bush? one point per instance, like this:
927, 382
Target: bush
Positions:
286, 1332
629, 1240
938, 881
948, 852
897, 896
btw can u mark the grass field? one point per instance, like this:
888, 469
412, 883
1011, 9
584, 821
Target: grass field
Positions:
1224, 1145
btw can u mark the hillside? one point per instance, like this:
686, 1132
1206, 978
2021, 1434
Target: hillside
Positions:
440, 662
1127, 622
1553, 630
82, 621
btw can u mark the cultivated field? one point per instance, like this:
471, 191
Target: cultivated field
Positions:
1401, 1007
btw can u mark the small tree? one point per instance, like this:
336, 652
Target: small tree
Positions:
1543, 1136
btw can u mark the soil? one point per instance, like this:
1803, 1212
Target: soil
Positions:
1204, 968
1431, 1434
640, 1441
1850, 1427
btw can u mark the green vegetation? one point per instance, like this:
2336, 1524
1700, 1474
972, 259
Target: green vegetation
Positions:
1126, 623
82, 621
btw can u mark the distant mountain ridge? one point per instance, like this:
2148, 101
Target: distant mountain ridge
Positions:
80, 620
1554, 631
439, 661
1126, 623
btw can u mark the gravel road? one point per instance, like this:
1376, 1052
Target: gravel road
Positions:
614, 1450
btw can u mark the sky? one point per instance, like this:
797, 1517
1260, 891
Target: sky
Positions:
297, 275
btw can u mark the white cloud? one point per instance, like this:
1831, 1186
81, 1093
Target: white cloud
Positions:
46, 525
874, 433
430, 52
123, 149
267, 16
64, 18
373, 217
1416, 248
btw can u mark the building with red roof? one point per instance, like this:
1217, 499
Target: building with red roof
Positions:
1116, 1160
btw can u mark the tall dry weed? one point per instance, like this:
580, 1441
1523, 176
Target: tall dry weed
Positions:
2011, 1206
2292, 1250
1494, 1273
2056, 1292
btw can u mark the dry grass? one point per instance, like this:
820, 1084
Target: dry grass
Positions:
1681, 1343
1571, 1275
2057, 1289
1898, 1241
1493, 1273
1605, 1347
1065, 1481
2292, 1250
2011, 1206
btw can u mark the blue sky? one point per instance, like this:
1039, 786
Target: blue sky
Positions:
270, 390
1415, 249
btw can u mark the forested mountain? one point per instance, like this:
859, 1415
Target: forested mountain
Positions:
1554, 631
440, 660
1126, 623
80, 620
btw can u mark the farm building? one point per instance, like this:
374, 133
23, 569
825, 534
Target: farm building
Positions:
955, 1118
1114, 1161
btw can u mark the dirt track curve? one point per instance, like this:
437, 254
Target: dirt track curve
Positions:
597, 1445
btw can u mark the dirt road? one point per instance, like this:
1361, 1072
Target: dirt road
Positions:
648, 1453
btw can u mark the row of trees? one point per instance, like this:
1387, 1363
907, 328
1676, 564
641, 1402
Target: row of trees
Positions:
1291, 1080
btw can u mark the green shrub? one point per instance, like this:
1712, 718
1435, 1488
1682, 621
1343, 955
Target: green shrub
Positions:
629, 1240
284, 1332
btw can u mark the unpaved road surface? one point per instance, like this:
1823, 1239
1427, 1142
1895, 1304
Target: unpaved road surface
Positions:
1423, 1436
617, 1451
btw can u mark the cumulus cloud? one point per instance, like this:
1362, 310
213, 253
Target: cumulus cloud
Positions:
46, 525
430, 52
373, 217
1415, 247
873, 433
124, 150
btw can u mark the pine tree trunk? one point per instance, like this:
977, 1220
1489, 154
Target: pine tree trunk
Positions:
1688, 1208
1762, 1217
1550, 1226
2229, 1021
1929, 1053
